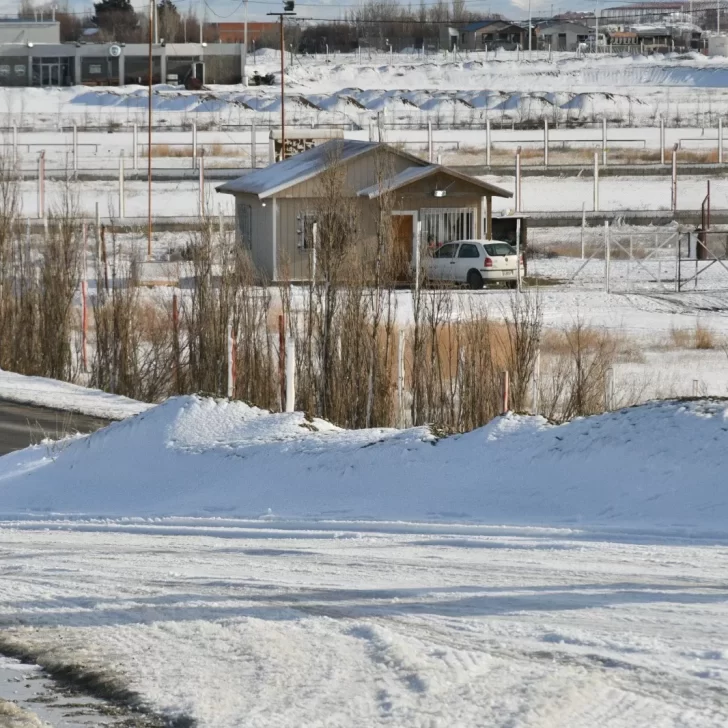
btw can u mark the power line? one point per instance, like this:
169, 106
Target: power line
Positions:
217, 15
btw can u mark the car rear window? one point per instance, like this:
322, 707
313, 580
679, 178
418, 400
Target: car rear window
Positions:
496, 249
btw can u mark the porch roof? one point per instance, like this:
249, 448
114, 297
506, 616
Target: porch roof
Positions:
414, 174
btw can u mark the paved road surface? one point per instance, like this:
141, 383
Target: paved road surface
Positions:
22, 424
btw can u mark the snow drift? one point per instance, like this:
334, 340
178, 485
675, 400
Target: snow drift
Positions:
661, 465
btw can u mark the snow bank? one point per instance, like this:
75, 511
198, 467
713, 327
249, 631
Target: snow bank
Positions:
68, 397
661, 465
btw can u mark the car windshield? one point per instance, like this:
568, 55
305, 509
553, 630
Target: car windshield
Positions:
496, 249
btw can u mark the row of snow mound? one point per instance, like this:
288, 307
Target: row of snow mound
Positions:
353, 99
657, 466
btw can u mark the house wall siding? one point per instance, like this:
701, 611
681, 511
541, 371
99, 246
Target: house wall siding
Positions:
261, 243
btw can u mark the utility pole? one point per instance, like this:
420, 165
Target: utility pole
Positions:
530, 32
245, 45
288, 6
152, 8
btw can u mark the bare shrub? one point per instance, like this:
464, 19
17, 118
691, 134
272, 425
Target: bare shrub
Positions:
133, 352
704, 337
700, 337
575, 370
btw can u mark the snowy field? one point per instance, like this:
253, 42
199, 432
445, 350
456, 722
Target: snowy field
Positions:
240, 568
462, 89
462, 627
540, 194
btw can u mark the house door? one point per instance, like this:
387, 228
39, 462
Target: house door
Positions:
403, 227
50, 74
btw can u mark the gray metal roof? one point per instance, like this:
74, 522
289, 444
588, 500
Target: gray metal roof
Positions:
405, 177
299, 168
412, 174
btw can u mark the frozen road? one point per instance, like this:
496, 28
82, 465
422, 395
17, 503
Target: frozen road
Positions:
239, 624
22, 424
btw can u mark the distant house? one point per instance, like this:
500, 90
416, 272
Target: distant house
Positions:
644, 40
276, 206
561, 36
624, 41
492, 34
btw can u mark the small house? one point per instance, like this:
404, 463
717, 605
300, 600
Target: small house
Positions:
562, 36
276, 206
492, 34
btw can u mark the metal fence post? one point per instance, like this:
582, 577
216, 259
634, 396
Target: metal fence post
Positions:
674, 179
596, 181
505, 392
607, 256
15, 144
400, 378
290, 374
122, 201
604, 141
230, 362
429, 142
253, 147
609, 389
135, 145
518, 200
518, 255
41, 185
194, 145
536, 392
545, 142
720, 141
583, 225
487, 142
662, 140
201, 183
75, 147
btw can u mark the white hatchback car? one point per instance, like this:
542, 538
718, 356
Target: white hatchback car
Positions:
474, 262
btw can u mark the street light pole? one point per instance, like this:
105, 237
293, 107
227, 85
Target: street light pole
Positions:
288, 6
530, 58
149, 132
245, 45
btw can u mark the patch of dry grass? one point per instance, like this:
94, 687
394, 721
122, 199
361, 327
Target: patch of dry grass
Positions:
700, 337
207, 150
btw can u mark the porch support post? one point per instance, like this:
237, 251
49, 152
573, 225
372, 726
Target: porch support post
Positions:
489, 217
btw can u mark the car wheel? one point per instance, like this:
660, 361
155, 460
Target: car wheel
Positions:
511, 284
475, 280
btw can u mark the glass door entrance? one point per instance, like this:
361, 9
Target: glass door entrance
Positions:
50, 74
52, 71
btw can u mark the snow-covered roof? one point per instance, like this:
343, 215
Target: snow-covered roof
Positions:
412, 174
478, 24
296, 169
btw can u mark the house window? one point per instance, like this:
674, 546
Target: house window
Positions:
245, 225
441, 225
306, 230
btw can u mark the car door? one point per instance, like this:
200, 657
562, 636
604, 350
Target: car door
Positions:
468, 257
442, 260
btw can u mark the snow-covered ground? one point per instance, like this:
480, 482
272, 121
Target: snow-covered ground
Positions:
271, 627
237, 567
199, 457
540, 194
464, 89
65, 396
